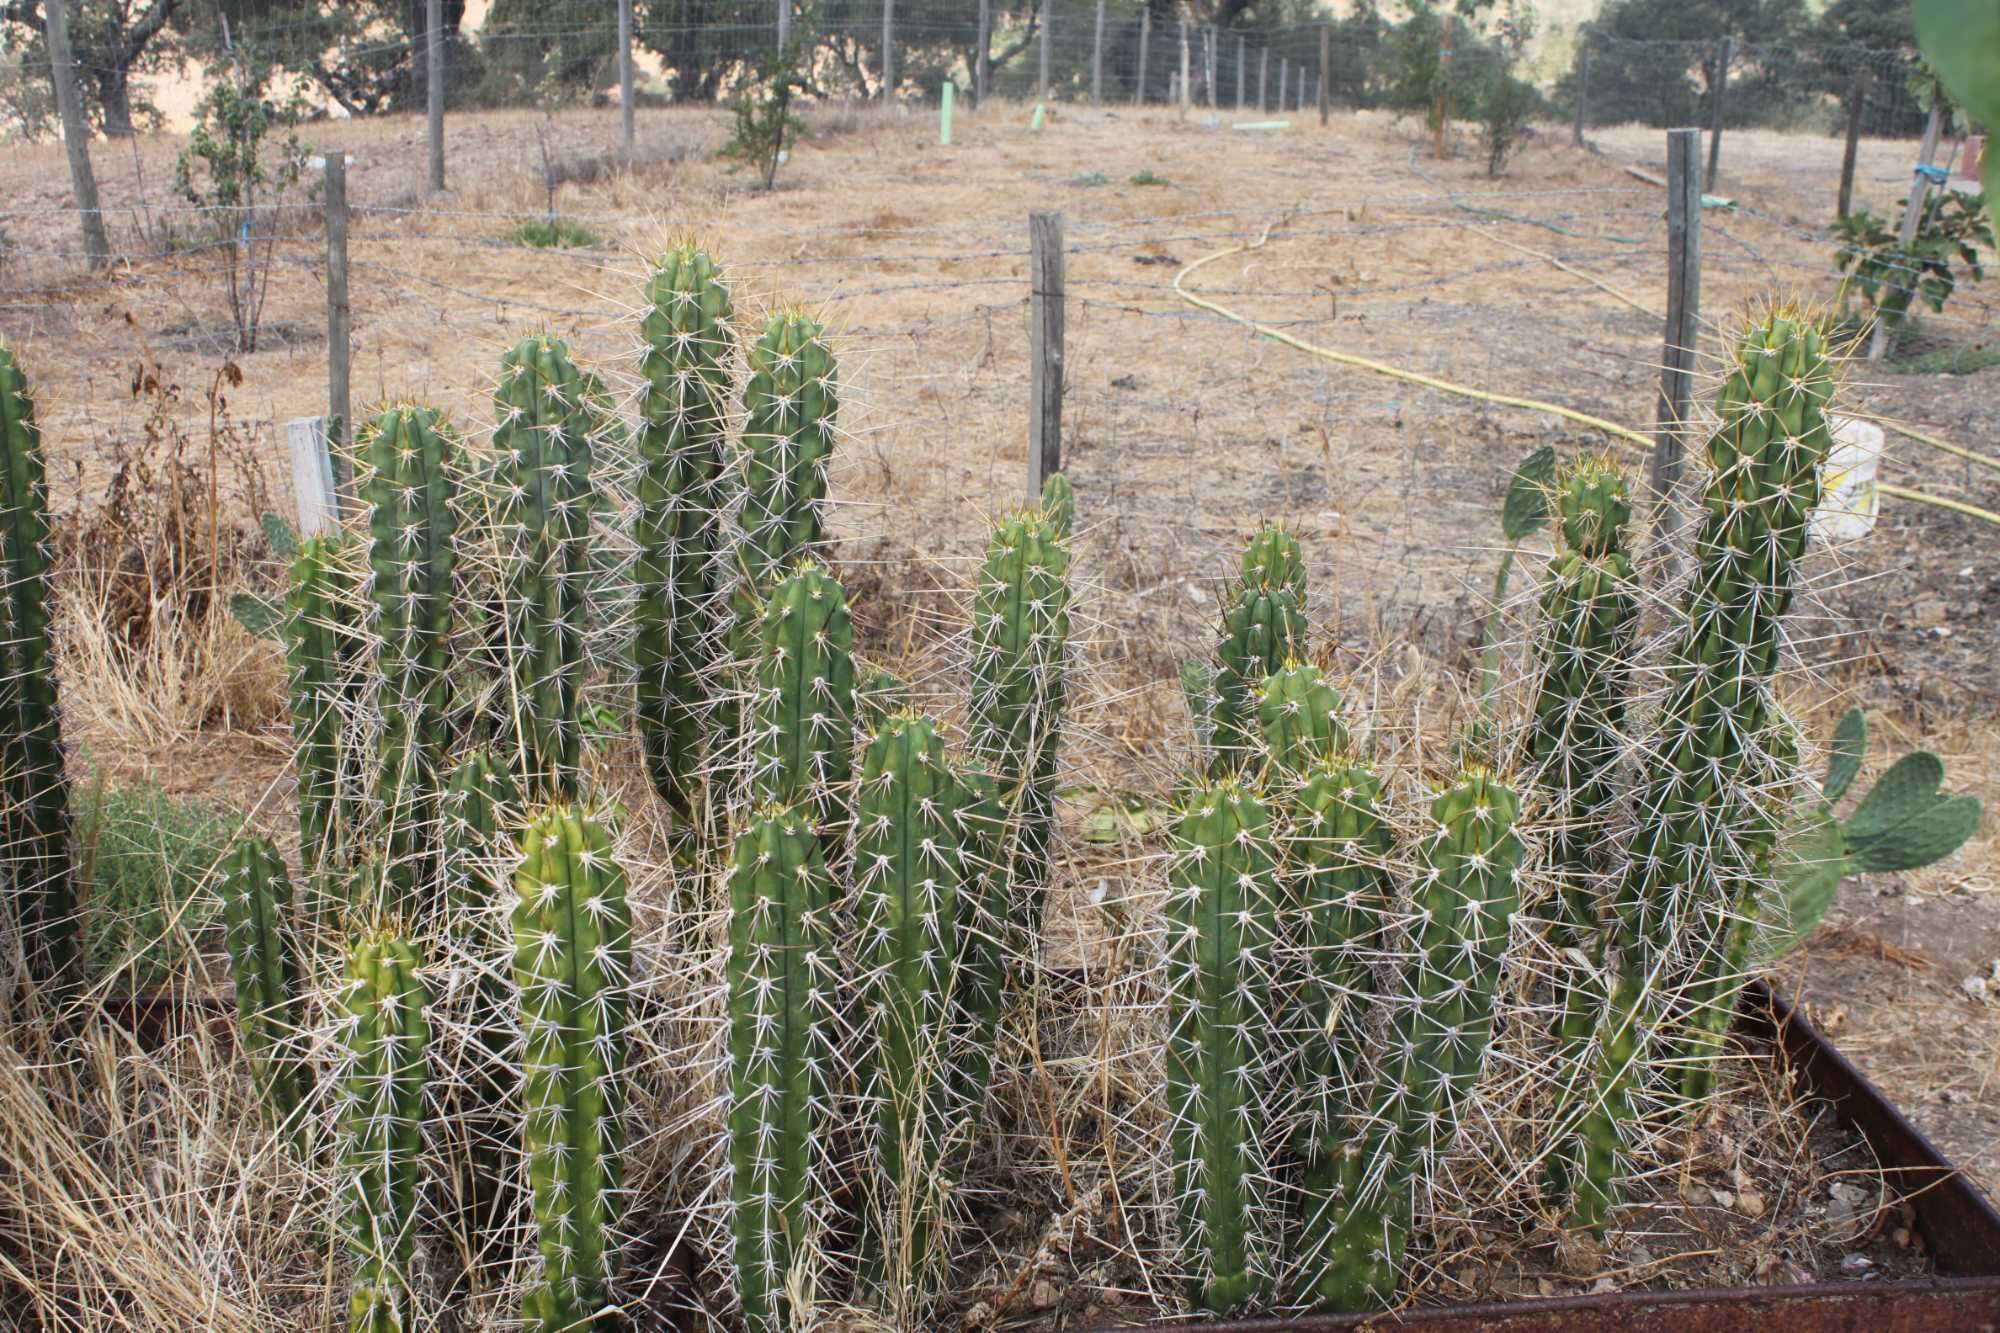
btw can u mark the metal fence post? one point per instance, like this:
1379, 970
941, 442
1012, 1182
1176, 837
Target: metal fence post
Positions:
1683, 327
1045, 353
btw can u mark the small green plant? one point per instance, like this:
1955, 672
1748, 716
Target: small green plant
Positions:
1506, 101
147, 856
1149, 177
555, 234
1903, 822
230, 170
1088, 179
764, 119
1944, 252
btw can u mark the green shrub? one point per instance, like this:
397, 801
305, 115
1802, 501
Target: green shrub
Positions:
764, 119
555, 235
145, 858
1944, 252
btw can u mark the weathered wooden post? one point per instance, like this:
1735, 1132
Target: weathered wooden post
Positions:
1239, 71
1721, 86
1097, 59
1045, 351
1677, 355
1184, 67
434, 79
784, 24
982, 61
888, 52
1444, 93
339, 317
1145, 42
1582, 92
1264, 79
1325, 54
1042, 82
1857, 100
627, 128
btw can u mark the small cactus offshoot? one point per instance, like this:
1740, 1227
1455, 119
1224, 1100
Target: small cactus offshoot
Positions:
264, 964
322, 641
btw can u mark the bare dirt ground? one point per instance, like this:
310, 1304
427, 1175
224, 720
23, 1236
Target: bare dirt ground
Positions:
1182, 429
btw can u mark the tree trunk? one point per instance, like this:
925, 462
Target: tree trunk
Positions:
114, 97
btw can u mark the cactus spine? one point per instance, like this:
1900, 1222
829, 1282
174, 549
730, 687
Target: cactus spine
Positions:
572, 964
1298, 717
1221, 928
36, 823
1336, 861
909, 877
789, 405
803, 717
411, 489
547, 412
1020, 640
683, 417
782, 987
264, 963
1465, 898
385, 1036
321, 641
1588, 616
1707, 826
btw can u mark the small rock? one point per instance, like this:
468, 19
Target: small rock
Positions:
1927, 611
1043, 1295
1750, 1204
1723, 1198
1975, 987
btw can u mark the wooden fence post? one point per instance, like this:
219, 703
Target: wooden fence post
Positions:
312, 476
1325, 53
1042, 80
1444, 95
1145, 42
1239, 71
888, 52
1880, 341
1722, 55
627, 129
1857, 100
339, 318
1184, 67
76, 136
1284, 79
1208, 40
1045, 352
1097, 59
1582, 93
1677, 359
434, 78
1263, 79
983, 59
784, 24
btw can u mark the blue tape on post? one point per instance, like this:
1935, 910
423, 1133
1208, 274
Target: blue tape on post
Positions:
1935, 175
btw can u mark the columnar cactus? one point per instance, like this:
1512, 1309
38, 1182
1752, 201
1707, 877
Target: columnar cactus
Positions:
322, 639
783, 983
1589, 612
481, 807
1264, 625
802, 720
1298, 718
35, 824
1336, 881
1707, 825
1222, 907
1466, 894
1274, 556
385, 1041
572, 966
542, 497
1020, 642
264, 963
985, 926
909, 878
789, 407
683, 416
1059, 503
410, 486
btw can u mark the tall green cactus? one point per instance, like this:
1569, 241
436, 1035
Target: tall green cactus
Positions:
789, 405
385, 1039
1589, 612
802, 743
909, 878
322, 643
542, 496
1298, 717
1466, 894
683, 416
35, 824
1264, 625
264, 963
1274, 556
1707, 827
986, 925
783, 980
1222, 907
572, 966
1337, 855
1020, 644
480, 808
410, 486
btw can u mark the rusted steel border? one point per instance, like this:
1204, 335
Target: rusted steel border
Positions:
1955, 1219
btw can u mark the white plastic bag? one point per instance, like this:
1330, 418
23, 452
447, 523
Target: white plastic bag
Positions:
1848, 509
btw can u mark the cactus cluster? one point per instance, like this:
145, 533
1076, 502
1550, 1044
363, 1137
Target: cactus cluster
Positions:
1263, 627
35, 820
385, 1039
